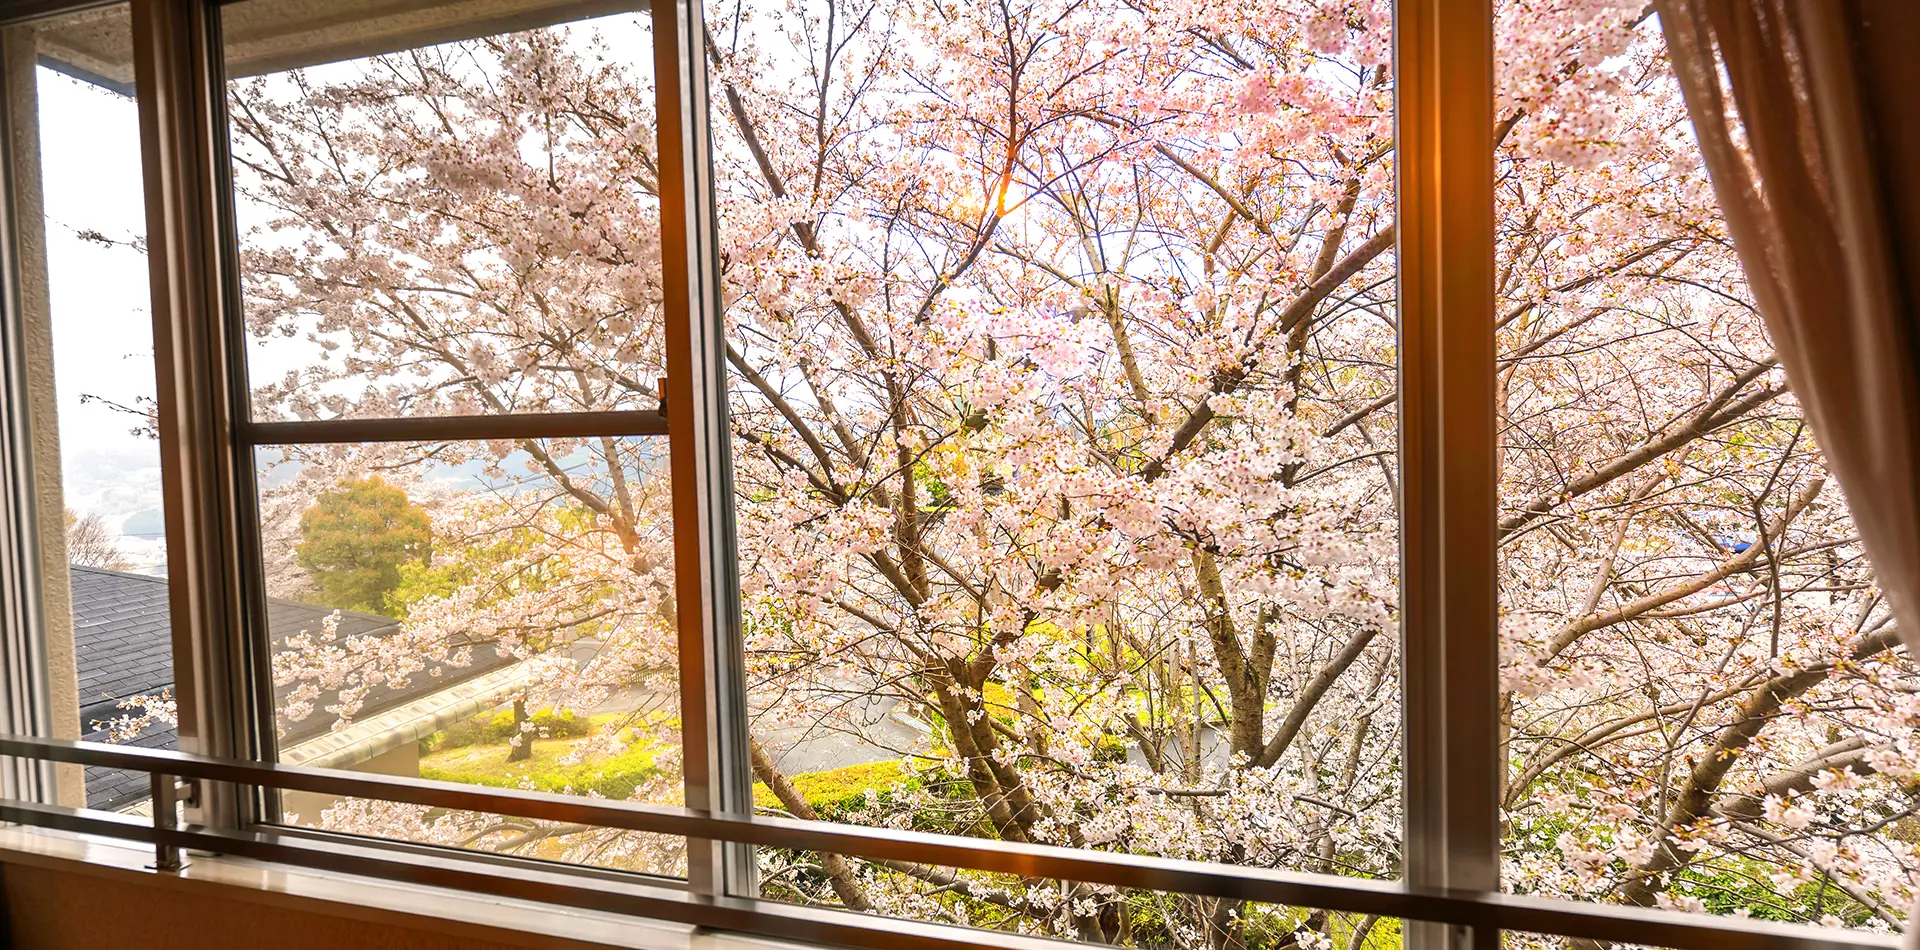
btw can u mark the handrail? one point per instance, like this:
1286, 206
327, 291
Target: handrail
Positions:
1589, 921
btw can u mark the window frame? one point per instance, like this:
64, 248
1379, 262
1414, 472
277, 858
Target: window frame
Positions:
1448, 450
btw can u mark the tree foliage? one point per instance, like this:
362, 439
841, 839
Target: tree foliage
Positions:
1062, 344
355, 540
91, 543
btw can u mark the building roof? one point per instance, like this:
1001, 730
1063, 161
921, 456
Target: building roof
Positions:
121, 638
123, 643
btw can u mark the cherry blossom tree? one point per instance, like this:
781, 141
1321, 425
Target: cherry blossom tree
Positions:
1063, 353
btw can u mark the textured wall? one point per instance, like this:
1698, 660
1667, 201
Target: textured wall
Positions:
30, 244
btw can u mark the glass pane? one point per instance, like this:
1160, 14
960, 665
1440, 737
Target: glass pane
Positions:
494, 614
465, 223
1092, 914
1064, 364
1524, 940
80, 241
503, 834
1704, 694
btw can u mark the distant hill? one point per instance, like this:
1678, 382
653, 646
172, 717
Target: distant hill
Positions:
151, 523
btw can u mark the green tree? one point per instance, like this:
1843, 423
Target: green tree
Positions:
356, 537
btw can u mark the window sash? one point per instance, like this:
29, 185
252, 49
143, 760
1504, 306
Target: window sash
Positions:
201, 393
1449, 626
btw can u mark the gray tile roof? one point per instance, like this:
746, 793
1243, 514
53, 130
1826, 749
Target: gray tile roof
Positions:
120, 638
123, 642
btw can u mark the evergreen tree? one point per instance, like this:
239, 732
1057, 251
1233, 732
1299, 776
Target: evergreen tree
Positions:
354, 540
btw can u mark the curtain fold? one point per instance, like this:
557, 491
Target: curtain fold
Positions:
1815, 171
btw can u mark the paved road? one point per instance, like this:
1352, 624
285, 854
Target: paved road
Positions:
812, 748
803, 748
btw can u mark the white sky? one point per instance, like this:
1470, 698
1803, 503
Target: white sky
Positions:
102, 330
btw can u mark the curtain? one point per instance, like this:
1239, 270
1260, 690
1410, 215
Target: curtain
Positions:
1815, 168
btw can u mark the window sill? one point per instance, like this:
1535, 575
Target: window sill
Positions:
456, 913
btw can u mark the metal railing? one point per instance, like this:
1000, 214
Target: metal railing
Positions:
550, 883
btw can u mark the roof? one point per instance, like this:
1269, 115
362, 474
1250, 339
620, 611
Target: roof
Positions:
123, 640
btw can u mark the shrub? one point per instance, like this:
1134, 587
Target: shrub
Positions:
614, 778
491, 728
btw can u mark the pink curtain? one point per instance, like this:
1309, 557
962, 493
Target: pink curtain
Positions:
1816, 169
1824, 208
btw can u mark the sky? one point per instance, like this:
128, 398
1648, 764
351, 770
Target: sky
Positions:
102, 329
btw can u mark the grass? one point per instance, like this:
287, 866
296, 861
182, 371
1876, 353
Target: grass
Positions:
497, 727
834, 792
486, 764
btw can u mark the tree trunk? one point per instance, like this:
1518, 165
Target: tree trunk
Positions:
839, 873
522, 750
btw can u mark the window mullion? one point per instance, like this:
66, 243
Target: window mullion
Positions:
1444, 59
712, 674
201, 471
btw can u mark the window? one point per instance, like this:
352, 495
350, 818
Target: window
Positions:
463, 230
851, 468
1697, 661
1062, 379
985, 394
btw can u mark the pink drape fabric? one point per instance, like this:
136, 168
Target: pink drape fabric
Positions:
1816, 167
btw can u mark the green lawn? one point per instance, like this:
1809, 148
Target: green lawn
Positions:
486, 764
833, 792
462, 755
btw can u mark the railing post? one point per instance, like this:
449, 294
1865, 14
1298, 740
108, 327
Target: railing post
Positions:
166, 854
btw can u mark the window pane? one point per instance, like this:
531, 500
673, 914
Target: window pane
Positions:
565, 842
1092, 913
1524, 940
1063, 401
80, 245
494, 614
464, 224
1705, 702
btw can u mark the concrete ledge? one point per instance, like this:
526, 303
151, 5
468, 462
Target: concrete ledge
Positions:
365, 738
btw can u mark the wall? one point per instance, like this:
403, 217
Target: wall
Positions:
50, 910
55, 910
29, 232
403, 760
66, 892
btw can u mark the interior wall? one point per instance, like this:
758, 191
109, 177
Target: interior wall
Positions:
55, 910
22, 103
